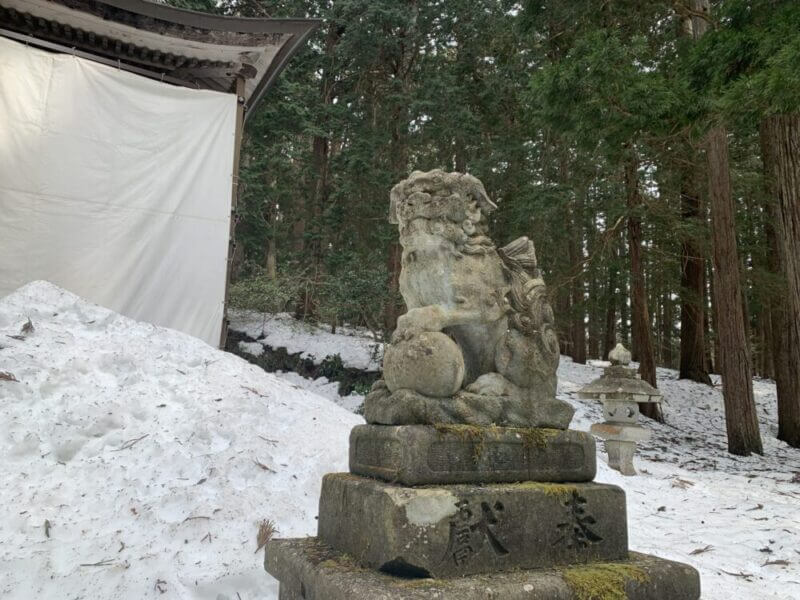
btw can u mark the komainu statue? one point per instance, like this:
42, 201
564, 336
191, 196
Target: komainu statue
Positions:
477, 345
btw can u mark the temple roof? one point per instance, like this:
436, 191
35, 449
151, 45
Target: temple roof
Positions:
176, 46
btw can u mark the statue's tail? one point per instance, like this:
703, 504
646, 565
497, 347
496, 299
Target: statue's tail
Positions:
532, 314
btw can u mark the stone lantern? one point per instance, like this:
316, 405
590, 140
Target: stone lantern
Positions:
620, 389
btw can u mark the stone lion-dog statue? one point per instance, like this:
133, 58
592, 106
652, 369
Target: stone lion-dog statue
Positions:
477, 345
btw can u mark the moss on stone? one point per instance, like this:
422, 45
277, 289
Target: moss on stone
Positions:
340, 562
467, 433
532, 437
557, 490
603, 581
464, 432
425, 582
537, 437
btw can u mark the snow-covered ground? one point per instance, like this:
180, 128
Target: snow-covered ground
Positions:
323, 387
356, 347
735, 519
137, 462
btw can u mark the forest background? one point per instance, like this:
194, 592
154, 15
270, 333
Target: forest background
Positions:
649, 148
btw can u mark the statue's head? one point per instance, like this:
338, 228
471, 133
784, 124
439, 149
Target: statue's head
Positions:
433, 207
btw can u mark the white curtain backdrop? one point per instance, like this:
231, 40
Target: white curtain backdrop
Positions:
115, 187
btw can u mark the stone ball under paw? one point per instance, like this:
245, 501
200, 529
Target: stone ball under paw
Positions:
430, 363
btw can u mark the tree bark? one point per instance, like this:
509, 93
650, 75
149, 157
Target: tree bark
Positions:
694, 362
391, 310
693, 284
712, 329
741, 421
780, 142
271, 259
639, 313
319, 184
666, 329
594, 312
610, 338
564, 322
577, 303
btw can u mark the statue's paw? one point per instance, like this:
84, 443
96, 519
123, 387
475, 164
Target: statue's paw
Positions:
492, 384
403, 334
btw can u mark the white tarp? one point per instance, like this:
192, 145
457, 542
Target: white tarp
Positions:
115, 187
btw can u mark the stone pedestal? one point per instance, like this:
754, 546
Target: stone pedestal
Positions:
620, 440
620, 456
309, 570
459, 530
422, 455
512, 514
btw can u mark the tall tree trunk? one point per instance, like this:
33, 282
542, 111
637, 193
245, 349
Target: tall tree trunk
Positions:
320, 168
564, 323
319, 186
641, 319
693, 284
666, 329
741, 421
780, 141
713, 324
624, 311
708, 310
594, 316
610, 338
271, 259
392, 309
769, 342
694, 363
578, 304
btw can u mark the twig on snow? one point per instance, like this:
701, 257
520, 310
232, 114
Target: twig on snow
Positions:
106, 562
130, 443
197, 517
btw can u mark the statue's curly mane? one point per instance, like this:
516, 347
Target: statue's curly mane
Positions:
453, 206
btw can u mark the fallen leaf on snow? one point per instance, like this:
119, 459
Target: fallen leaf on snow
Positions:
682, 483
263, 466
739, 574
27, 328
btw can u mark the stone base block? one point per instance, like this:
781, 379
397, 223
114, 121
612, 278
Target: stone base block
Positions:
406, 407
309, 570
421, 455
461, 530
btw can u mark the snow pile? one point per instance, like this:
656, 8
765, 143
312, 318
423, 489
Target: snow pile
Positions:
137, 461
357, 348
